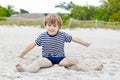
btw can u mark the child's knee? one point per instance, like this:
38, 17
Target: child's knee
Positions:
73, 61
44, 62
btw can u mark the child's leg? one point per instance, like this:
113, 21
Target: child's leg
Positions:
83, 67
67, 62
35, 66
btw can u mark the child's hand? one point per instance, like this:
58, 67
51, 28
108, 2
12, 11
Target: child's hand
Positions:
88, 44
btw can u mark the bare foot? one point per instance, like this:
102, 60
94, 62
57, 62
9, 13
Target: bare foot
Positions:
19, 68
99, 68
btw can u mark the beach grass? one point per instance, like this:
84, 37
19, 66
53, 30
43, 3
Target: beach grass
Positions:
94, 24
73, 24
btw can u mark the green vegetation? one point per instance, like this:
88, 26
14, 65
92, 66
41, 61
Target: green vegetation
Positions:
5, 12
8, 11
109, 11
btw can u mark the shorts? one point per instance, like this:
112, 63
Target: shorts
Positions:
55, 60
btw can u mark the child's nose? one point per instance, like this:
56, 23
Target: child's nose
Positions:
52, 27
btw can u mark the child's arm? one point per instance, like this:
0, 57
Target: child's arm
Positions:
27, 49
77, 40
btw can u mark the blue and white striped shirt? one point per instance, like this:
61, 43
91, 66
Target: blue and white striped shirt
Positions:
53, 46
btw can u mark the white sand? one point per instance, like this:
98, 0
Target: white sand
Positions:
105, 49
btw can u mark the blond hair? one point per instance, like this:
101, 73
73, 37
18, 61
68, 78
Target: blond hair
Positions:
53, 19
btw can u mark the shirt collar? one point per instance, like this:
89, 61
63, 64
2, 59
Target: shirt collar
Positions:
52, 35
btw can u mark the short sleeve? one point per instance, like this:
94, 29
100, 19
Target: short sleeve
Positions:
67, 38
38, 40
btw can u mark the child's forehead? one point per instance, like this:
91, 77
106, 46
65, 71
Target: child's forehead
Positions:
51, 22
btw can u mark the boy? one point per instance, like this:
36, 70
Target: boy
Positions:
52, 42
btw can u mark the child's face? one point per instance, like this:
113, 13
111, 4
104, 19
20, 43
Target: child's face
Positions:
52, 28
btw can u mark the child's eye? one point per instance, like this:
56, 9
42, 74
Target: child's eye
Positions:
49, 24
54, 25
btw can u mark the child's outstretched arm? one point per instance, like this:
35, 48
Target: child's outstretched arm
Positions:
27, 49
84, 43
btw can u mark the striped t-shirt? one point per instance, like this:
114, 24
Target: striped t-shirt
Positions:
53, 46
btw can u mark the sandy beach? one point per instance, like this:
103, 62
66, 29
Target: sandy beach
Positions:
105, 49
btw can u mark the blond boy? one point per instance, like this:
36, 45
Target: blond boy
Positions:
52, 42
